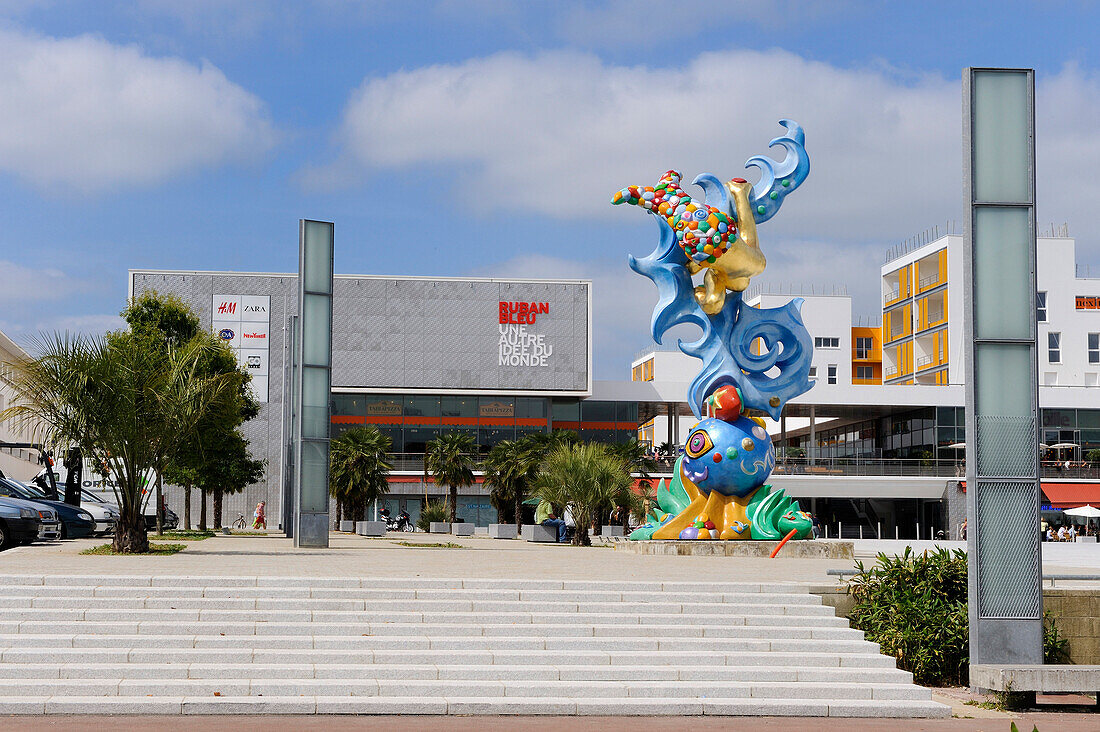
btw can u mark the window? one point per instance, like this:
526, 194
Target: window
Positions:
865, 372
1041, 307
864, 347
826, 343
1094, 347
832, 373
1054, 347
813, 372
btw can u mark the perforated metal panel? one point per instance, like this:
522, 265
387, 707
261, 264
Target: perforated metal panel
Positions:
1006, 445
1008, 553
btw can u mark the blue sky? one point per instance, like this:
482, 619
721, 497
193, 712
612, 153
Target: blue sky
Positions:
485, 138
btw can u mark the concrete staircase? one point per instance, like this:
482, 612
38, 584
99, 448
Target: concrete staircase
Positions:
292, 645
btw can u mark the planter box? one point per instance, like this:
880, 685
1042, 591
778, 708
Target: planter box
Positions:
540, 533
439, 527
1087, 539
462, 529
611, 531
370, 528
503, 531
348, 526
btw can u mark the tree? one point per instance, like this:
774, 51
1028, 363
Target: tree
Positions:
449, 459
639, 461
358, 470
511, 466
229, 468
200, 459
125, 400
586, 478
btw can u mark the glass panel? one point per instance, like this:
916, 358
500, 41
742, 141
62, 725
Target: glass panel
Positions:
455, 406
568, 410
489, 436
349, 405
416, 439
945, 416
1001, 136
413, 506
1059, 418
316, 330
593, 411
422, 406
1002, 264
314, 476
1088, 418
1003, 380
315, 393
1008, 566
530, 408
317, 264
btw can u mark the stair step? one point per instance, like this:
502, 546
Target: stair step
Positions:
693, 673
622, 706
458, 687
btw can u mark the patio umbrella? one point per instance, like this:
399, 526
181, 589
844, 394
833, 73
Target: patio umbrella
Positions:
1086, 511
956, 446
1064, 445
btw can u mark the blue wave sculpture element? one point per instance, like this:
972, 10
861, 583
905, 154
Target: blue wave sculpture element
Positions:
725, 347
779, 179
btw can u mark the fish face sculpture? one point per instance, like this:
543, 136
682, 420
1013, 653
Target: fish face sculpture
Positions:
730, 458
799, 522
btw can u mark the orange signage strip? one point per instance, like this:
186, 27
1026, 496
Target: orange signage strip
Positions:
1083, 302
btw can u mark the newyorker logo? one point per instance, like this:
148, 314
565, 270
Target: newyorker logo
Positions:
254, 336
522, 313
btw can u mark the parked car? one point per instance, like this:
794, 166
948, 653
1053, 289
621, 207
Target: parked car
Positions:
49, 526
105, 495
105, 514
18, 524
76, 523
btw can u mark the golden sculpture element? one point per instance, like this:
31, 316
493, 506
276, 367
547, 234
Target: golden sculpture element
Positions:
741, 262
727, 513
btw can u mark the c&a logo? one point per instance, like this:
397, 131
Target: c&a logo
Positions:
226, 334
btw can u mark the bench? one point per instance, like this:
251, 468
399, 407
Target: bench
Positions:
1025, 680
370, 528
502, 531
540, 533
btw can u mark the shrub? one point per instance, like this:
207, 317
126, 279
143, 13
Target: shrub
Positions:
914, 606
1055, 647
433, 511
1093, 456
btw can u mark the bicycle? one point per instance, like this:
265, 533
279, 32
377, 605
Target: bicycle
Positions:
239, 523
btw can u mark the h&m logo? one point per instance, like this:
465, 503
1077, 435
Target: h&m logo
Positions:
227, 308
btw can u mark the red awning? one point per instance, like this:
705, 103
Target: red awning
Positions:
1072, 495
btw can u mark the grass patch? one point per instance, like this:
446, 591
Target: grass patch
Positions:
243, 532
157, 549
183, 535
426, 545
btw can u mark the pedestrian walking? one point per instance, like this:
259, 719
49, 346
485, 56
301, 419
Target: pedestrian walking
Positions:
260, 517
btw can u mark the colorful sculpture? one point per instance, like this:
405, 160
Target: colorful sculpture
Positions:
718, 489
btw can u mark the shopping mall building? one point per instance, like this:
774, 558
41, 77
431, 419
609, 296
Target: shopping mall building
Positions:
415, 357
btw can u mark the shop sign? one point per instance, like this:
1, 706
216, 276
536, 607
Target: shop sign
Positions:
242, 323
384, 409
522, 312
1084, 302
497, 409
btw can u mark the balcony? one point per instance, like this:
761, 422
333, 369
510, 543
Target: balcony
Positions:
928, 282
890, 296
925, 362
889, 373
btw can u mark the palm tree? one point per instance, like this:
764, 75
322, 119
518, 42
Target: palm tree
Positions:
585, 477
359, 470
449, 459
500, 476
125, 400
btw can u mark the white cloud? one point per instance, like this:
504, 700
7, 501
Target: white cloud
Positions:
19, 283
84, 114
558, 133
